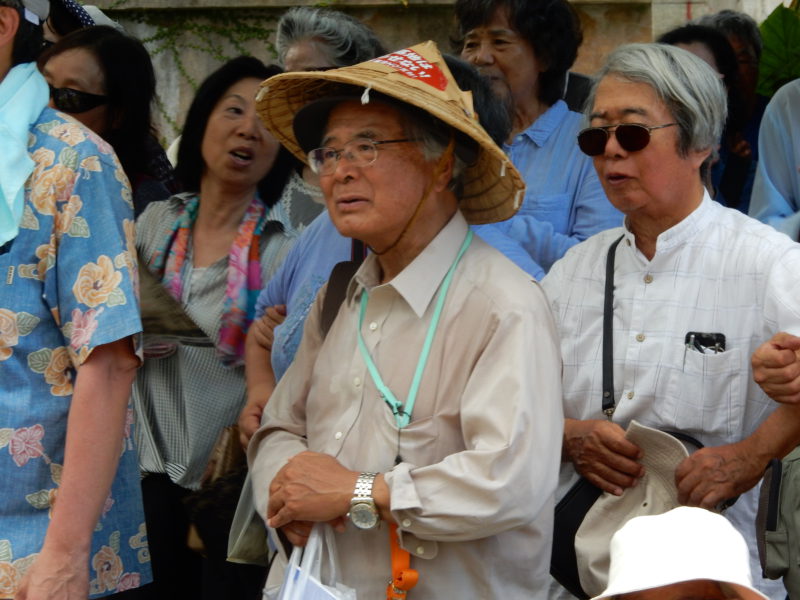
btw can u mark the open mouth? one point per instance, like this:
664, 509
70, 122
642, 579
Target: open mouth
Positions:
616, 178
241, 155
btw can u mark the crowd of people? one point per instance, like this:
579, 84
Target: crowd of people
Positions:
438, 295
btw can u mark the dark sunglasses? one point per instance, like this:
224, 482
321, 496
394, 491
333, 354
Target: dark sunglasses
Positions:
631, 136
73, 101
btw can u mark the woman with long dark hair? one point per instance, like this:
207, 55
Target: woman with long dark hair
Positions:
211, 249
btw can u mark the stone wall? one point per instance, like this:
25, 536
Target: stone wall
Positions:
187, 37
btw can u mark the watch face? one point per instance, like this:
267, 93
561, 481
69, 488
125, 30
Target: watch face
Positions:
363, 515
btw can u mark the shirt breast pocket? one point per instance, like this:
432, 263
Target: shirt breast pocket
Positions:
705, 397
553, 208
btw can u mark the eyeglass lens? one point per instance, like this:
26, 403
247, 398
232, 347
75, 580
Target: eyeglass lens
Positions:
73, 101
630, 136
360, 152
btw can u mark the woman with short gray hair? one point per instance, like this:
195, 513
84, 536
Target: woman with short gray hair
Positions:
314, 39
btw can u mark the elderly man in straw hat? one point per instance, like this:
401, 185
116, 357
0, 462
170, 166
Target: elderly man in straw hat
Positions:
692, 289
684, 554
429, 415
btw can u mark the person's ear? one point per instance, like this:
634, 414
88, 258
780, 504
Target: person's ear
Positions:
9, 23
445, 166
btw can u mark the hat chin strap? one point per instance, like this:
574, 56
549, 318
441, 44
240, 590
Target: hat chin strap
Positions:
441, 165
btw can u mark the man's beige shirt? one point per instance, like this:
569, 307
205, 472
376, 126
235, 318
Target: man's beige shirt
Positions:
473, 493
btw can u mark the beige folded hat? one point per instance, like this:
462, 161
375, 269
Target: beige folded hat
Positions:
419, 77
684, 544
654, 494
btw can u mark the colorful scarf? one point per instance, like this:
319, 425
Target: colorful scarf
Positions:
244, 273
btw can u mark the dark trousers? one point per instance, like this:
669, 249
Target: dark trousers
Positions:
179, 572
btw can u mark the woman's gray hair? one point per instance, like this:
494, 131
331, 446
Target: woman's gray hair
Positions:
689, 88
346, 40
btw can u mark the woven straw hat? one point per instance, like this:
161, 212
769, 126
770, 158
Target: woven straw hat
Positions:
418, 76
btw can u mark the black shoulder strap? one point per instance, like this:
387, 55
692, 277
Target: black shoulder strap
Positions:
609, 403
341, 274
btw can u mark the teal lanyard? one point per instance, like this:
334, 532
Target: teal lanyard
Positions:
402, 414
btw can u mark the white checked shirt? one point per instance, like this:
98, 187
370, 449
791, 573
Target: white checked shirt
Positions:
717, 271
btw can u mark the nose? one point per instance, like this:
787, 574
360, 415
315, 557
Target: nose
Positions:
345, 167
612, 147
479, 53
250, 126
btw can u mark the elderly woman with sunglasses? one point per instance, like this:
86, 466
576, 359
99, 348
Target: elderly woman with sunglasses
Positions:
691, 289
104, 79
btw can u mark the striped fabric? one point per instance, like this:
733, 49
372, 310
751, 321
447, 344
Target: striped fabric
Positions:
183, 400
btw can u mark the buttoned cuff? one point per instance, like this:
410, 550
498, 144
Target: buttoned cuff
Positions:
403, 503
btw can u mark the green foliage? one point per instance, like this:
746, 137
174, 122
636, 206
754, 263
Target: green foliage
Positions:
780, 58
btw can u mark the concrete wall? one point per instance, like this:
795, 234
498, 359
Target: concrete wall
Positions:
196, 51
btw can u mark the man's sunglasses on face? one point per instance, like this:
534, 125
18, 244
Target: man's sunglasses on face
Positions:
630, 136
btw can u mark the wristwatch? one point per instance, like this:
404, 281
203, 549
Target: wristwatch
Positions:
363, 512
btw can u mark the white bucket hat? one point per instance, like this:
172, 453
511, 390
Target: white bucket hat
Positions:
684, 544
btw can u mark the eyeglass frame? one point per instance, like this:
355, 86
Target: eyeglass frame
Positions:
338, 153
94, 100
609, 129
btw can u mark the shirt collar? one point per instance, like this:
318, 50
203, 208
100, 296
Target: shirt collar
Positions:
419, 281
679, 234
548, 123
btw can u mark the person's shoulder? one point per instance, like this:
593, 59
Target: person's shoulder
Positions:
495, 279
159, 217
322, 239
68, 139
786, 100
568, 120
587, 253
750, 237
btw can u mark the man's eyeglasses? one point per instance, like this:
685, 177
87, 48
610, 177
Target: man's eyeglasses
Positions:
73, 101
631, 136
361, 152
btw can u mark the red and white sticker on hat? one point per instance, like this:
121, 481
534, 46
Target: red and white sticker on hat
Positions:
412, 65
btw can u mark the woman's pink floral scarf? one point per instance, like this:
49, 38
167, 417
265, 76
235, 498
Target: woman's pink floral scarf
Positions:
244, 273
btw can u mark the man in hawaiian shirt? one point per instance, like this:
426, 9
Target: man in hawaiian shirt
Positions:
68, 320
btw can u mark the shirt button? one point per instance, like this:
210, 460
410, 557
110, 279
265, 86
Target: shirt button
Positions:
420, 550
373, 326
630, 395
648, 278
407, 523
357, 381
338, 435
639, 337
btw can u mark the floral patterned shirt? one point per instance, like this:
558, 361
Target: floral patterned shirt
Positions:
67, 285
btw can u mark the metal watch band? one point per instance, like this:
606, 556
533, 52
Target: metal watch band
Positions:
363, 489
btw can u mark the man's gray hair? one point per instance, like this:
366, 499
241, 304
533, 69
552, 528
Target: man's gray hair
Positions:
691, 90
345, 40
433, 146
